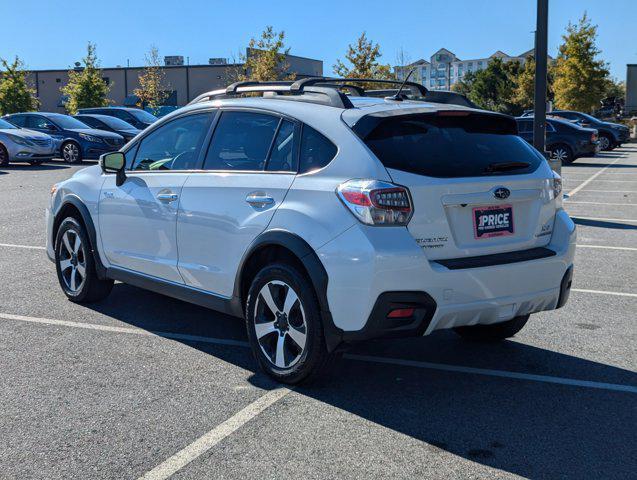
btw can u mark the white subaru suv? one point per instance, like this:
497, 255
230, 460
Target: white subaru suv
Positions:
323, 218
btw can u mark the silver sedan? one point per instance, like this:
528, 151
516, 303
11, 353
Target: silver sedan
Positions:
22, 145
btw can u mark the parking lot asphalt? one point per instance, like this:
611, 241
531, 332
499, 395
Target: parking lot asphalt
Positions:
141, 385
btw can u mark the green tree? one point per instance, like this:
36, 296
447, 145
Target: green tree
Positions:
614, 88
524, 95
15, 93
152, 91
362, 61
493, 88
265, 58
580, 76
465, 85
86, 87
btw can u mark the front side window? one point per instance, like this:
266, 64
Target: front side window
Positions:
36, 121
175, 145
241, 141
316, 150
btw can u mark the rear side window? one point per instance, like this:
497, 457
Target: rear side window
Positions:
316, 150
241, 141
19, 120
450, 146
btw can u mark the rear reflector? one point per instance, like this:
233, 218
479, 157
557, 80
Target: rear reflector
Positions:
401, 313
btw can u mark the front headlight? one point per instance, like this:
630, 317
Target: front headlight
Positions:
19, 140
91, 138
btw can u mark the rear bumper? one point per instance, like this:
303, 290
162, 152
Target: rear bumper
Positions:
365, 262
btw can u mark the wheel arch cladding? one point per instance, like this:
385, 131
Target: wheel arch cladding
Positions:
281, 245
74, 207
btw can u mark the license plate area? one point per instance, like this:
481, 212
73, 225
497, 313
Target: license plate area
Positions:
493, 221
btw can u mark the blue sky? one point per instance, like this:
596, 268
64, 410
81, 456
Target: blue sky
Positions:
49, 34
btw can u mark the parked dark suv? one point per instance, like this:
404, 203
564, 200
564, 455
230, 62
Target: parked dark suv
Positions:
74, 140
611, 135
565, 141
136, 117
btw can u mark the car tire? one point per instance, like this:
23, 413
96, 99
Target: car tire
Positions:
4, 156
75, 264
284, 325
606, 142
71, 152
494, 332
561, 152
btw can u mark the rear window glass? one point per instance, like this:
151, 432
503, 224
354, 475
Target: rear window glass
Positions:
449, 146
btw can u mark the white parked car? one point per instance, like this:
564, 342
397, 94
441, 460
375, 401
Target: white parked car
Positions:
22, 145
323, 219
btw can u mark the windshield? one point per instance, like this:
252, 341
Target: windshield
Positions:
450, 146
4, 125
143, 115
116, 123
64, 121
589, 118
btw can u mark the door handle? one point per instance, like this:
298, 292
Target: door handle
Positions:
167, 197
259, 199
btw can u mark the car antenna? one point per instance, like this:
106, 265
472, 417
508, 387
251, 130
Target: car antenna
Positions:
397, 96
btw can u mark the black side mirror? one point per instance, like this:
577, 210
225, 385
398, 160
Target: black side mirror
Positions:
114, 162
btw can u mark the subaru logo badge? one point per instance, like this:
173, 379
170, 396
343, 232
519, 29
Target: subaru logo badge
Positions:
501, 193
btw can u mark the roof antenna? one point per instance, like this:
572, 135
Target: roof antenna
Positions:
397, 96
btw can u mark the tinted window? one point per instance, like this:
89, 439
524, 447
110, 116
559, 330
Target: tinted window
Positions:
316, 150
451, 146
283, 154
91, 122
525, 127
142, 115
116, 123
5, 125
64, 121
121, 114
173, 146
36, 121
241, 141
19, 120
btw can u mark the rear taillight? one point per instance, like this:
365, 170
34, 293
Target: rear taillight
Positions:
557, 189
375, 202
594, 137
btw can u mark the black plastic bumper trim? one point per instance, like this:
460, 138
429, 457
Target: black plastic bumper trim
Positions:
379, 326
497, 259
565, 287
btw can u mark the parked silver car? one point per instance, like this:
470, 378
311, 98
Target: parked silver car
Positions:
22, 145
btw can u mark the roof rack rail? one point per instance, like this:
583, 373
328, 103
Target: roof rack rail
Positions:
324, 90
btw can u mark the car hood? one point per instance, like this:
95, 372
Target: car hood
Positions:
615, 125
96, 133
25, 133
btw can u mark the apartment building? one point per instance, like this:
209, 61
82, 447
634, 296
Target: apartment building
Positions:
444, 68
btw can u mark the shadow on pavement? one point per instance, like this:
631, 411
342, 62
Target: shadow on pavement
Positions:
531, 429
43, 166
603, 224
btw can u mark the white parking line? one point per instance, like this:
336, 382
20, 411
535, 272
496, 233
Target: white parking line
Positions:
204, 443
602, 219
610, 191
606, 247
604, 292
592, 177
12, 245
494, 373
601, 203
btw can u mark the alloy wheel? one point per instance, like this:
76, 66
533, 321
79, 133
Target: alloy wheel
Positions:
280, 324
4, 157
604, 143
72, 261
560, 154
71, 153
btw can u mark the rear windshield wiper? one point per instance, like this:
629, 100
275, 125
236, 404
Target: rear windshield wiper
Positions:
505, 167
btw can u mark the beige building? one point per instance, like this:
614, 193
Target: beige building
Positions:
444, 68
184, 82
